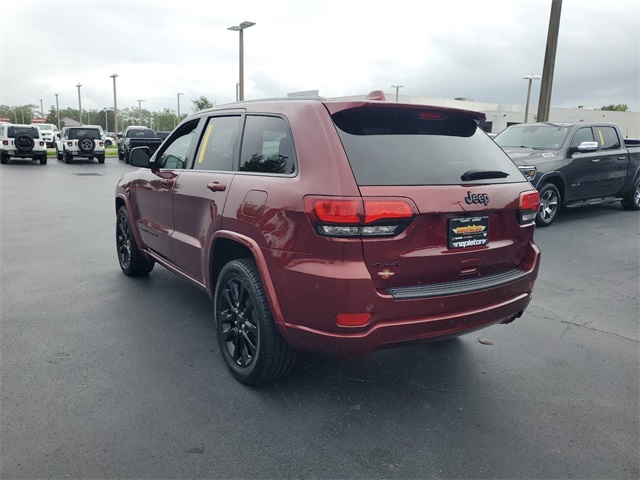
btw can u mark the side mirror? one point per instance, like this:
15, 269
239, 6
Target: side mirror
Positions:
584, 147
140, 156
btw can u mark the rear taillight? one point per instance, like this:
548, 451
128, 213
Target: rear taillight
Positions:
358, 217
101, 144
5, 142
529, 205
69, 144
42, 144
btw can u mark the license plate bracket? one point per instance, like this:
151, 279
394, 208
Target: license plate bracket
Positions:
468, 232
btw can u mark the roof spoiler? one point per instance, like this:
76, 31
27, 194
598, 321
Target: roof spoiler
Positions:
376, 95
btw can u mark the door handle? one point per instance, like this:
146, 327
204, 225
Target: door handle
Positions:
595, 160
216, 187
167, 182
622, 158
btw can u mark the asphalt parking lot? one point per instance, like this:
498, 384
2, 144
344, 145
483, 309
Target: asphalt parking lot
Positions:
103, 375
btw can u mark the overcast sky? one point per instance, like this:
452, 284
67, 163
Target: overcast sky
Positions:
437, 48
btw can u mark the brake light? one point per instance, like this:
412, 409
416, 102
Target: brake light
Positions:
101, 143
5, 142
430, 116
357, 217
42, 144
70, 144
529, 206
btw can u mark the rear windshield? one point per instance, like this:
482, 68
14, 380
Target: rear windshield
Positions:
542, 137
13, 132
92, 133
141, 133
388, 146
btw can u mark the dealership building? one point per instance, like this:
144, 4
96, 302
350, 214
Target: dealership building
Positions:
501, 115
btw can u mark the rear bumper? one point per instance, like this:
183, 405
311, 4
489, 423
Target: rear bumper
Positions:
310, 295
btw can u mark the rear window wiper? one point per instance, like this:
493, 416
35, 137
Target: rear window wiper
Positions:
483, 174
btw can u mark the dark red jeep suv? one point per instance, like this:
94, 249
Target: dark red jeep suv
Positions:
333, 226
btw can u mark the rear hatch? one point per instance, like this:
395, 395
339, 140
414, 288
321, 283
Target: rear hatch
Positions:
449, 201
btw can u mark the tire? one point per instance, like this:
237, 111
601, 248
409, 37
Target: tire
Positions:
108, 143
59, 155
100, 158
120, 155
86, 144
131, 260
251, 345
4, 158
24, 143
631, 201
43, 159
68, 158
550, 203
126, 158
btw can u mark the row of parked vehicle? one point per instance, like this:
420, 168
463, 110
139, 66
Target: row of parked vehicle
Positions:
71, 143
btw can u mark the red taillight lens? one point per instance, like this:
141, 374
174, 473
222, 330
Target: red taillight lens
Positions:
375, 210
529, 205
5, 142
334, 210
355, 217
42, 144
352, 319
70, 144
101, 144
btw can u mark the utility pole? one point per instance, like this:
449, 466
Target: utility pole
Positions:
544, 104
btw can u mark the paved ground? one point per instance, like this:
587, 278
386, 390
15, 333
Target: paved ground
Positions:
107, 376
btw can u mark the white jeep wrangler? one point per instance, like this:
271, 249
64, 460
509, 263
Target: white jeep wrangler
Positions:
80, 142
21, 141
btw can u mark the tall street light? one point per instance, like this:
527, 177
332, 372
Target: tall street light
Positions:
240, 28
79, 102
140, 110
178, 117
41, 109
57, 110
531, 78
397, 87
115, 108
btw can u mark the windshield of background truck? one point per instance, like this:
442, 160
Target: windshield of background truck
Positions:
393, 146
541, 137
45, 127
141, 133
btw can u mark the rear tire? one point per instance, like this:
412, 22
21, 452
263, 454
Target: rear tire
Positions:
4, 158
59, 155
631, 201
43, 159
132, 261
250, 343
68, 157
100, 158
550, 203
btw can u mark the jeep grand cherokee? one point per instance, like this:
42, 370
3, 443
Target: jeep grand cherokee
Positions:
333, 226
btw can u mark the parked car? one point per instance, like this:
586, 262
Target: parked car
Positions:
21, 141
162, 134
47, 132
332, 226
109, 141
575, 163
136, 136
81, 142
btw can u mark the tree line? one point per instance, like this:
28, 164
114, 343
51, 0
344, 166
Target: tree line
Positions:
165, 119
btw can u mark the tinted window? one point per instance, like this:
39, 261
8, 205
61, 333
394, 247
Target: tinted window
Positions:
607, 138
76, 133
267, 146
218, 144
582, 135
175, 154
141, 133
415, 147
13, 132
543, 137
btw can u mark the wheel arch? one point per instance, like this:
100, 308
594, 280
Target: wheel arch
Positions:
557, 179
122, 201
226, 246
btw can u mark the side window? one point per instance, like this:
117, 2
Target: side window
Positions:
607, 137
218, 144
174, 155
582, 135
267, 146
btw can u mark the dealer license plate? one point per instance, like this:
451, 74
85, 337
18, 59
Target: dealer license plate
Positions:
468, 232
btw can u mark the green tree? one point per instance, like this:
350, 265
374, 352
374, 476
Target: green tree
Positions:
201, 103
621, 107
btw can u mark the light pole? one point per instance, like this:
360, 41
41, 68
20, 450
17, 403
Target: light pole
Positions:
41, 109
57, 110
140, 110
531, 78
178, 117
397, 87
79, 102
240, 28
115, 109
106, 119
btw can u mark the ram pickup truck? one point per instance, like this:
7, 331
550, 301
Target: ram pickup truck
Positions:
575, 163
137, 136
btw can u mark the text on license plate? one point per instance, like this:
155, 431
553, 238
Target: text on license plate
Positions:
468, 232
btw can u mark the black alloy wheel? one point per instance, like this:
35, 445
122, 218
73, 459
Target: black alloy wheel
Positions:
550, 203
250, 343
131, 260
